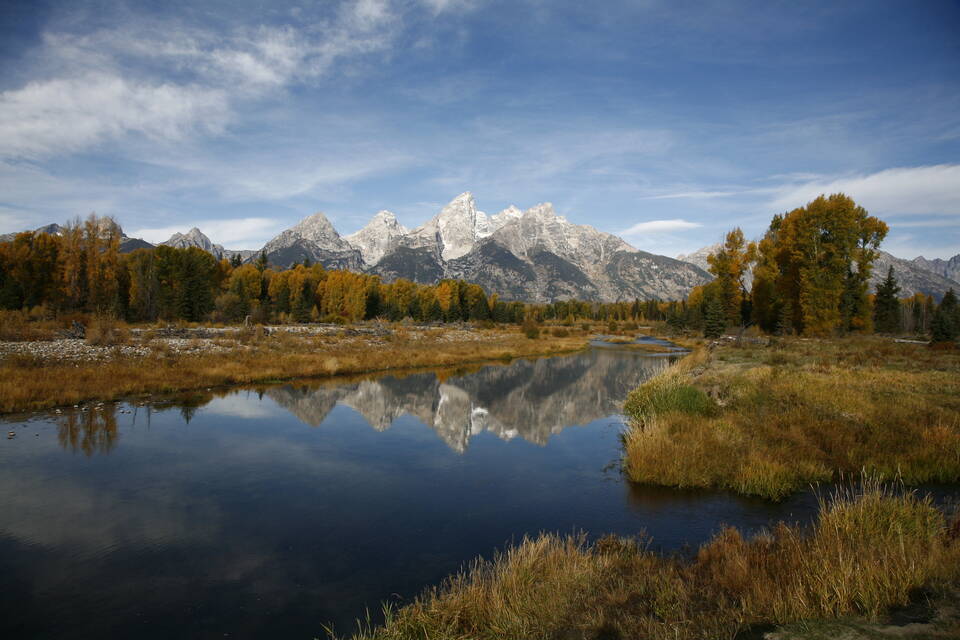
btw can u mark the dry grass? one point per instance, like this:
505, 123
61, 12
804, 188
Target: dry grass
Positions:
258, 358
106, 332
771, 420
16, 326
870, 550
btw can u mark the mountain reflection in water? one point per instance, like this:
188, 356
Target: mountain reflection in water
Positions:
530, 399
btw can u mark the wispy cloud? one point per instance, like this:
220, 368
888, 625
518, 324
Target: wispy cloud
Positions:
65, 115
899, 191
659, 226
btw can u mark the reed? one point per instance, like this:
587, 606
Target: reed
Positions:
870, 550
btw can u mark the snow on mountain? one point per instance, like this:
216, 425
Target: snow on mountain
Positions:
378, 237
454, 231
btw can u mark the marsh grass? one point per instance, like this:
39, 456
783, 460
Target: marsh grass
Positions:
870, 550
256, 357
769, 421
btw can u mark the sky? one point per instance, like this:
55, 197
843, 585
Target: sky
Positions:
666, 122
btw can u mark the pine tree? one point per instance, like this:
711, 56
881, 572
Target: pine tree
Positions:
714, 321
945, 325
886, 307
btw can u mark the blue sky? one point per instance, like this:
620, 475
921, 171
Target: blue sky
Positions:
666, 122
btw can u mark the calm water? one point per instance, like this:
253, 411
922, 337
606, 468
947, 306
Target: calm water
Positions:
266, 513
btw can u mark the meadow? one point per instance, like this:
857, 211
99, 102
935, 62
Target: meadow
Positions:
771, 419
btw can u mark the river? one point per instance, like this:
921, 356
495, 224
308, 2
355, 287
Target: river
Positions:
268, 512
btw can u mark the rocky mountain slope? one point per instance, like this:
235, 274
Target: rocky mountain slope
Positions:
196, 238
533, 255
313, 239
946, 268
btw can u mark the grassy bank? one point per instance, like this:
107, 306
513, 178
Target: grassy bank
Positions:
769, 420
869, 551
33, 382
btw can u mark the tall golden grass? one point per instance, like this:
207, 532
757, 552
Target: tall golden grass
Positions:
870, 549
769, 421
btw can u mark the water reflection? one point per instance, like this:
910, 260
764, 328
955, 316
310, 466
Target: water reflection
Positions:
90, 431
529, 399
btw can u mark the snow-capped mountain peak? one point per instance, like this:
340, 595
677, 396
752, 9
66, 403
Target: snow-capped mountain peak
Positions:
456, 229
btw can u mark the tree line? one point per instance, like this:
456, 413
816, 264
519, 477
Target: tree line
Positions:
810, 276
82, 270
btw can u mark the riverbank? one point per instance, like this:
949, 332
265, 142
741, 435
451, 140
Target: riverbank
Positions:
769, 419
872, 549
41, 374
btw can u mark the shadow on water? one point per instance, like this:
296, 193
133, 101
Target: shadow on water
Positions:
269, 511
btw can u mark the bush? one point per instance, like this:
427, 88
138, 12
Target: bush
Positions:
559, 332
106, 332
530, 329
612, 326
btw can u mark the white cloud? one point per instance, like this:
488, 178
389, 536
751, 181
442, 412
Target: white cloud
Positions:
106, 84
659, 226
899, 191
439, 6
64, 115
232, 233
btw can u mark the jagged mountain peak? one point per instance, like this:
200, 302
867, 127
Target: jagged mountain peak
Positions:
378, 237
194, 238
314, 227
543, 210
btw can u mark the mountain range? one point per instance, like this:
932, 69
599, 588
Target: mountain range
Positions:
534, 255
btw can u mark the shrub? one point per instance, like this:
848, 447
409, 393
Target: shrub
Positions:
530, 329
559, 332
104, 331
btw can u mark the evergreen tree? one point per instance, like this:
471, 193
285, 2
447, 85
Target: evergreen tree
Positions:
714, 321
262, 262
945, 325
886, 306
236, 261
